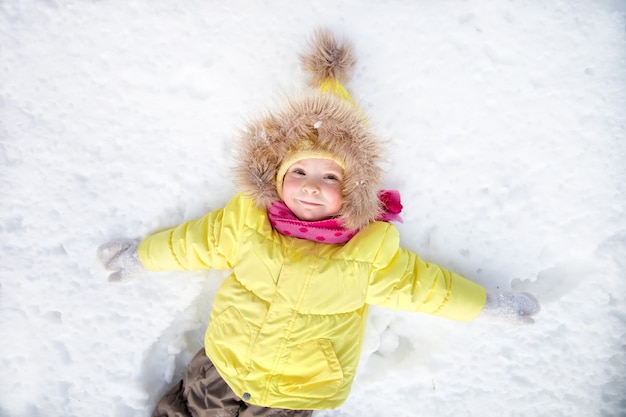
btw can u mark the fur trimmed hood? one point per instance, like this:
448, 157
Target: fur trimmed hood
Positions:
322, 121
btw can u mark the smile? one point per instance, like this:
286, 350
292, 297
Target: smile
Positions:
309, 203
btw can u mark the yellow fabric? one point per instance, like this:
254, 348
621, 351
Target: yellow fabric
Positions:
333, 86
287, 325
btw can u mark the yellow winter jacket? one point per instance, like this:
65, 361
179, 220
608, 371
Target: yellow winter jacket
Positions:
287, 325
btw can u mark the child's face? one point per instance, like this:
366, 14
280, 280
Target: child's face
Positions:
312, 189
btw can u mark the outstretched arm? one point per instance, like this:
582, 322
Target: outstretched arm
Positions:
209, 242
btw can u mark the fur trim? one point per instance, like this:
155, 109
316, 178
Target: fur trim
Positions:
328, 58
332, 125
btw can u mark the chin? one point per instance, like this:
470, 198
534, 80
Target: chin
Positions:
310, 218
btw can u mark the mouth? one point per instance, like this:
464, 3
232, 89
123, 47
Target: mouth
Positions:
309, 203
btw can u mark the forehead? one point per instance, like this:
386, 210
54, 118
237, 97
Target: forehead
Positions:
319, 163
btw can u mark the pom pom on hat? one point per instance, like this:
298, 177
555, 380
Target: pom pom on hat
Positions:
328, 59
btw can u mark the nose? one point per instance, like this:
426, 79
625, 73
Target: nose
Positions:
311, 186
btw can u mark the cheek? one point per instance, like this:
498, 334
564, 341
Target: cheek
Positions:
288, 187
334, 196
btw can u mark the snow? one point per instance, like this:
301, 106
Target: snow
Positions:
507, 138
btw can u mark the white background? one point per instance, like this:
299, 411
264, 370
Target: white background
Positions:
506, 124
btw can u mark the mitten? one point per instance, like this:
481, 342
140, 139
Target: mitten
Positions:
121, 256
511, 307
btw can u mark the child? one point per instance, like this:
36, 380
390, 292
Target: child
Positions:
311, 247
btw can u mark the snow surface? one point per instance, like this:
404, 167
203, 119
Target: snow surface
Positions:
507, 138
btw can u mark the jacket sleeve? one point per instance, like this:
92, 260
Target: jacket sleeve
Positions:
401, 280
209, 242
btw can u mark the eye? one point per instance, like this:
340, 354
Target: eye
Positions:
298, 171
332, 177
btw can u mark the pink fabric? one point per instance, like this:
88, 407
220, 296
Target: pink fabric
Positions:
392, 207
329, 230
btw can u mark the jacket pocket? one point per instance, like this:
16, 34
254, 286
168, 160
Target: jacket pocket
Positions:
227, 340
312, 371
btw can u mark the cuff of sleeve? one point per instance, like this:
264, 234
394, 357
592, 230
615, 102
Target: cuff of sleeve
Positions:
465, 302
155, 252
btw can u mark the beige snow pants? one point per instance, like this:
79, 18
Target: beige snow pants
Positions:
203, 393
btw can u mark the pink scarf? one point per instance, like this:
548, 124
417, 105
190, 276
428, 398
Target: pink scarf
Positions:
329, 230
